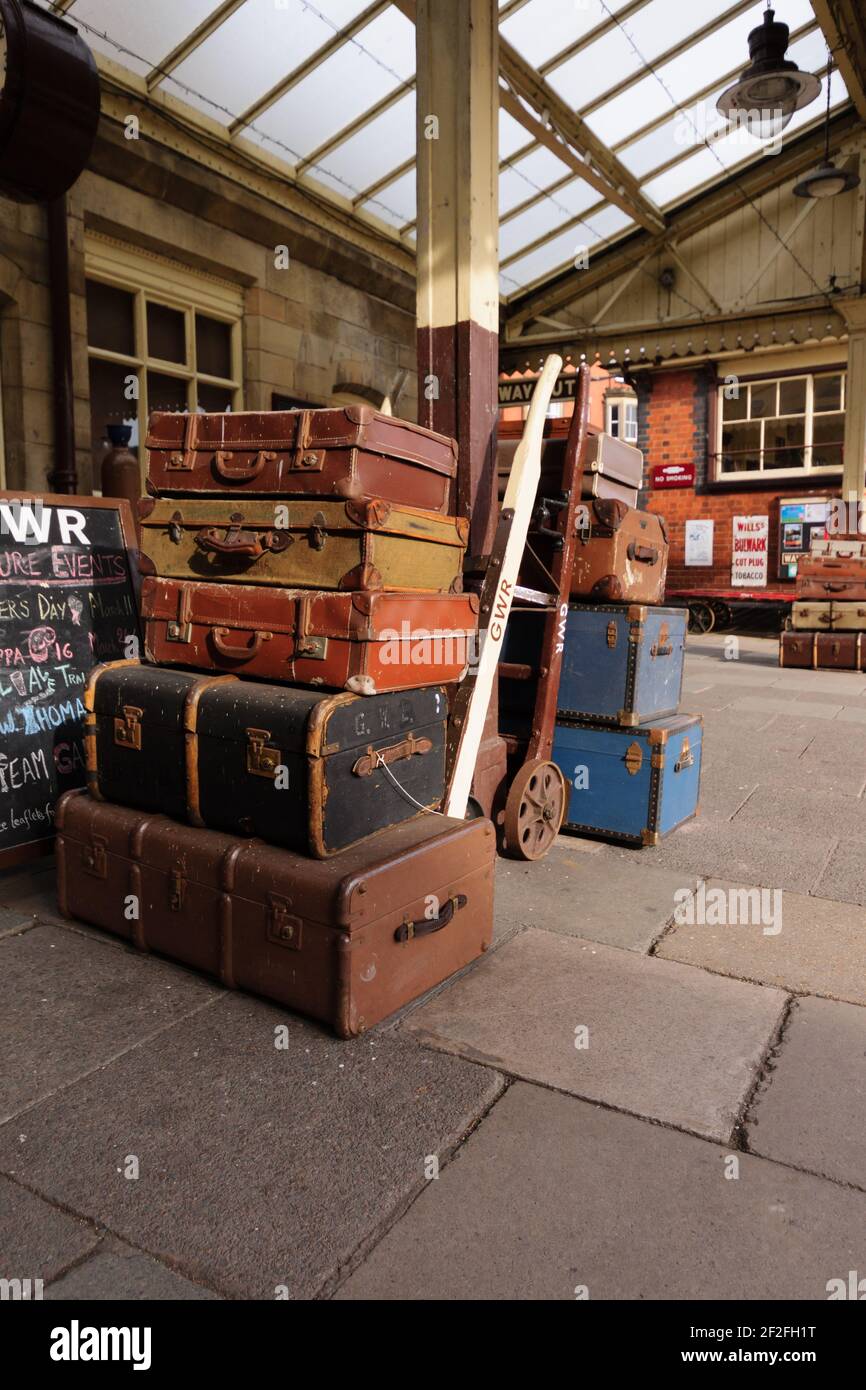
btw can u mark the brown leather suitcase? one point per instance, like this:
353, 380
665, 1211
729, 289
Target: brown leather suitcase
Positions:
365, 642
312, 771
357, 544
354, 451
839, 651
622, 555
346, 940
832, 577
797, 649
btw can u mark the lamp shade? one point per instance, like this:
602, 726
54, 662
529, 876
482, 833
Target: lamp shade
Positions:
771, 88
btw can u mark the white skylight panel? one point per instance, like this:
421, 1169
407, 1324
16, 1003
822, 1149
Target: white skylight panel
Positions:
379, 147
349, 83
254, 49
145, 32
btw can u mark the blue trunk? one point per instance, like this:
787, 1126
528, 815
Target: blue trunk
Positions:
622, 664
631, 784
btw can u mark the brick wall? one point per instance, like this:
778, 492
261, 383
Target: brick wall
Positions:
674, 423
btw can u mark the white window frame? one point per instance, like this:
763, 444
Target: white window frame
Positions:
630, 402
157, 280
721, 474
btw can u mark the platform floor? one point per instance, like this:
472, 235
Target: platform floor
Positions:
611, 1103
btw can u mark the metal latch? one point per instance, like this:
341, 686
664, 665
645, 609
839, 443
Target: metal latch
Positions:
686, 758
127, 731
662, 647
633, 758
177, 886
94, 857
612, 633
181, 462
262, 758
315, 648
283, 927
178, 632
317, 534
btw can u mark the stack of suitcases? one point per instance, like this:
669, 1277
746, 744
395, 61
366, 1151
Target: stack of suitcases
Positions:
828, 618
263, 790
632, 762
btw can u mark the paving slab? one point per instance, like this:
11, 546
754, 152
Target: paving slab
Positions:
851, 715
70, 1004
748, 852
31, 888
804, 810
820, 949
810, 1110
121, 1273
844, 877
616, 899
259, 1165
37, 1241
673, 1044
551, 1195
772, 704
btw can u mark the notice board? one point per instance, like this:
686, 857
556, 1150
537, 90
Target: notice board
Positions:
68, 600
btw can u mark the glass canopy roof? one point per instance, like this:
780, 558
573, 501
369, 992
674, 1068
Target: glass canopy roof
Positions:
326, 87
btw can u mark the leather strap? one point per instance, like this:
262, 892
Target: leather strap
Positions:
375, 757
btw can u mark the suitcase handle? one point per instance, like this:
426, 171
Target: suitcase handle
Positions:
376, 757
646, 554
409, 930
252, 545
834, 588
243, 472
218, 636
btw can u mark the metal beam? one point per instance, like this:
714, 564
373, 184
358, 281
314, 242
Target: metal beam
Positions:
844, 26
384, 182
309, 65
549, 138
178, 55
621, 184
698, 213
606, 26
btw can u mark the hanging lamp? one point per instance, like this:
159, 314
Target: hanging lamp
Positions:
826, 181
772, 87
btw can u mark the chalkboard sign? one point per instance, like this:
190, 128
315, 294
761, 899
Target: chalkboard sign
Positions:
68, 600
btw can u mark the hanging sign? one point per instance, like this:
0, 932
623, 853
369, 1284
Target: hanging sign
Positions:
699, 542
672, 475
750, 552
520, 390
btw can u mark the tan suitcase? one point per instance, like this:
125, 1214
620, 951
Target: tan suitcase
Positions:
828, 616
363, 544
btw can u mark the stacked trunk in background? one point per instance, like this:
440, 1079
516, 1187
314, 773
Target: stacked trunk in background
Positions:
828, 619
287, 839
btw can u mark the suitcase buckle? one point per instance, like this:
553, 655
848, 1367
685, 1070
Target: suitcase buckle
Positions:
311, 461
94, 857
686, 758
262, 758
127, 731
180, 463
633, 759
178, 632
316, 648
284, 929
177, 887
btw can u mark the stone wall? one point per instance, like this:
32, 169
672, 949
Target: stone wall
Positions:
334, 315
